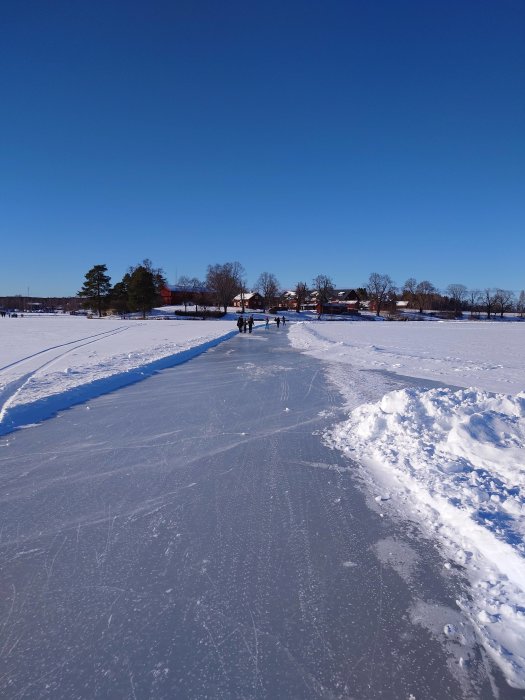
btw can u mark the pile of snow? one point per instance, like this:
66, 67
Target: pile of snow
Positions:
454, 460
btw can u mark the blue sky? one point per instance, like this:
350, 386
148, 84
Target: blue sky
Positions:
299, 138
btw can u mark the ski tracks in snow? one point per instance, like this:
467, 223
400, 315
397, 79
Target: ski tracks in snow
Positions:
10, 391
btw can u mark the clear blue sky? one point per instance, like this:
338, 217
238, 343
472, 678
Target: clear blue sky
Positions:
297, 137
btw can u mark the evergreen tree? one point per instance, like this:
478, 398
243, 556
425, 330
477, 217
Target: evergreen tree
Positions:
119, 296
96, 288
159, 278
142, 291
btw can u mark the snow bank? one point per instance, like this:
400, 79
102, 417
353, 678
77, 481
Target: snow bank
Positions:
452, 459
48, 363
456, 460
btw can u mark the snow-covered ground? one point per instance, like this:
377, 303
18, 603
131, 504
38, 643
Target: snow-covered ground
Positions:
488, 355
51, 362
452, 458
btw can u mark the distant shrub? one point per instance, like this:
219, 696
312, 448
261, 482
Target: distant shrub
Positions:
205, 313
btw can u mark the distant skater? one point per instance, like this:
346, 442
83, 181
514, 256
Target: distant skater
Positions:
240, 324
283, 320
277, 321
267, 323
250, 323
245, 325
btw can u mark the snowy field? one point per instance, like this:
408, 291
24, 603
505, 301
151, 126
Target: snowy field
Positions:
449, 455
49, 363
452, 457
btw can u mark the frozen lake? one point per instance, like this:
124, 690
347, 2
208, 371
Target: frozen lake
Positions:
191, 536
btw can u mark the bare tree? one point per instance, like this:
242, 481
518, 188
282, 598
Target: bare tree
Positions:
504, 301
474, 301
242, 293
193, 287
301, 294
225, 282
379, 288
268, 287
425, 291
520, 304
324, 287
184, 283
390, 303
282, 297
409, 291
192, 283
458, 295
488, 300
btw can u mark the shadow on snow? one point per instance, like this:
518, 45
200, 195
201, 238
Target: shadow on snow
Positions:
24, 415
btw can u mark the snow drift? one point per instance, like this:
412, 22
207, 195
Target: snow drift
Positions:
454, 460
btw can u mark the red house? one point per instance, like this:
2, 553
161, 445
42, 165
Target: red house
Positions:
252, 300
176, 295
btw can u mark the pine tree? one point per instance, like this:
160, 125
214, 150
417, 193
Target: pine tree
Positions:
142, 292
119, 296
96, 288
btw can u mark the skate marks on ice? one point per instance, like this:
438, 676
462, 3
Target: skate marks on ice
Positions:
415, 638
438, 614
40, 394
150, 549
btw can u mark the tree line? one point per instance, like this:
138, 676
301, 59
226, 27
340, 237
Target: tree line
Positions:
140, 290
456, 298
383, 294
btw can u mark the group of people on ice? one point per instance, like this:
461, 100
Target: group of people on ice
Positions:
246, 323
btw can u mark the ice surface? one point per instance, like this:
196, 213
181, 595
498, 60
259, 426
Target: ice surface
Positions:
188, 537
48, 363
452, 459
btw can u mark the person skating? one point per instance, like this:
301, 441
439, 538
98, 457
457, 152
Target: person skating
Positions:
240, 323
250, 323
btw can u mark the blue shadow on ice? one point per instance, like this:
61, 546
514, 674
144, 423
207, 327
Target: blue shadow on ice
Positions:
29, 414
